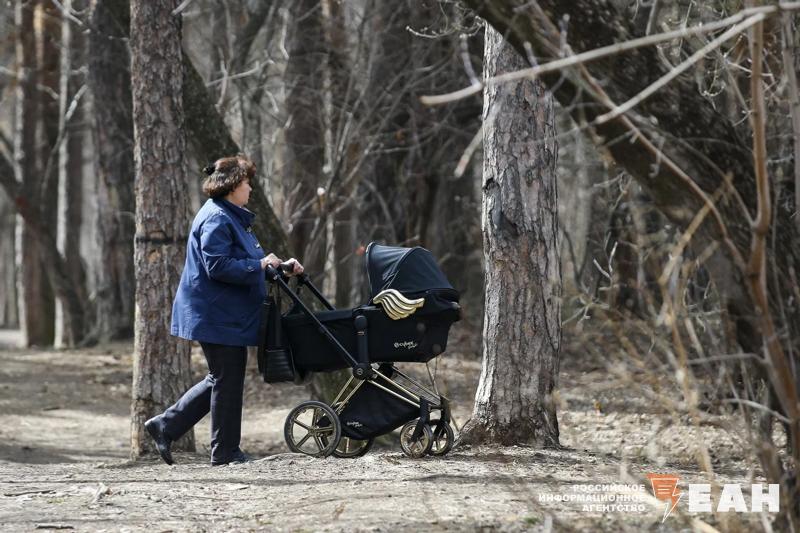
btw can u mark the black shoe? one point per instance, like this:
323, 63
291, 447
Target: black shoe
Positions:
236, 457
163, 442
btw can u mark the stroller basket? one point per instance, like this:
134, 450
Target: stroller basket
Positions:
373, 411
417, 339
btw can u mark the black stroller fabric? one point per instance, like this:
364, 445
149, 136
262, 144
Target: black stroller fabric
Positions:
373, 411
416, 339
412, 271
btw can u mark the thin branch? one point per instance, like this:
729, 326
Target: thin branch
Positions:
245, 74
473, 78
722, 358
62, 133
68, 13
677, 251
779, 368
756, 405
605, 51
655, 9
7, 178
178, 10
476, 141
679, 69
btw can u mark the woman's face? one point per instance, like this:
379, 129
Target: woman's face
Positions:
241, 194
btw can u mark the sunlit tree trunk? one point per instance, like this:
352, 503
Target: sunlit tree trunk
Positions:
35, 298
522, 322
71, 317
161, 370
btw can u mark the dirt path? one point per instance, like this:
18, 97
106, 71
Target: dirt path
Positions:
64, 446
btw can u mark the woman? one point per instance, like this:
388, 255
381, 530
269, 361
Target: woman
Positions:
218, 304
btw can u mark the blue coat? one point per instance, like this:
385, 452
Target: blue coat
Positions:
222, 285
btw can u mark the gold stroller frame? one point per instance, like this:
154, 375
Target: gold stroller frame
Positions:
415, 441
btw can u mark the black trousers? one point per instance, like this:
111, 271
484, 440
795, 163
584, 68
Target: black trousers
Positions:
220, 393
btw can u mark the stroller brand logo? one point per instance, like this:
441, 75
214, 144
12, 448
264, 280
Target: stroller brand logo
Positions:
355, 424
410, 345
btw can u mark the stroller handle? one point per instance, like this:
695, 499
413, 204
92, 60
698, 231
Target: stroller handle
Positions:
282, 270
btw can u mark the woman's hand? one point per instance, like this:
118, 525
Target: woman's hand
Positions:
270, 260
297, 268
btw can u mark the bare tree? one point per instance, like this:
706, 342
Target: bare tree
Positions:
522, 315
161, 370
110, 85
71, 327
35, 298
304, 132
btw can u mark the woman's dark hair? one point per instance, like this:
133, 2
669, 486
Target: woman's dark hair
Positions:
225, 174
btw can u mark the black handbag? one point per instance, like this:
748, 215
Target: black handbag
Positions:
275, 362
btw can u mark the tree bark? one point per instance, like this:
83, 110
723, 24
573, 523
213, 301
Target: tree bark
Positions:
522, 321
110, 85
8, 272
49, 49
35, 299
305, 143
161, 362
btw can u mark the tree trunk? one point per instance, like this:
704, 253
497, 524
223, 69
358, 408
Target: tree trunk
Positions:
49, 38
110, 84
522, 322
71, 327
161, 370
8, 276
305, 144
49, 50
35, 299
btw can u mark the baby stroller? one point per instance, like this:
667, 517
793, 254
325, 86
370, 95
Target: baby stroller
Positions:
411, 309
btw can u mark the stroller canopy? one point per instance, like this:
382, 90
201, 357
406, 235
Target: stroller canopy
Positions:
408, 270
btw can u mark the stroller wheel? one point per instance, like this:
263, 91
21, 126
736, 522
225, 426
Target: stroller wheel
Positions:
419, 447
312, 428
351, 448
442, 439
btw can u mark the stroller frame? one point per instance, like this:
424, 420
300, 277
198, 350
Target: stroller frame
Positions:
416, 438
